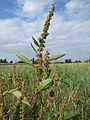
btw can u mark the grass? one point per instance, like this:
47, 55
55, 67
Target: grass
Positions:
74, 82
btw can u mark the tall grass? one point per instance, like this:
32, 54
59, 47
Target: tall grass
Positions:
74, 83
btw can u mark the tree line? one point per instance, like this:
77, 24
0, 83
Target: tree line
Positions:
5, 61
33, 60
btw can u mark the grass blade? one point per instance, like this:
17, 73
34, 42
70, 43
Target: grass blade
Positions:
71, 115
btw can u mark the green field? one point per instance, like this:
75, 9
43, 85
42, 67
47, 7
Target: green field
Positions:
73, 85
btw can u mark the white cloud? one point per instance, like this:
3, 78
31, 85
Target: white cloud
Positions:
15, 35
29, 7
77, 9
70, 37
73, 4
11, 30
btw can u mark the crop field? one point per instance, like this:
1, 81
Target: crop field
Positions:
37, 89
70, 96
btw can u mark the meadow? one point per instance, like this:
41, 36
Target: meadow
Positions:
73, 85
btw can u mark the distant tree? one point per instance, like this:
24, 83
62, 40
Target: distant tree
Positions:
11, 61
68, 61
1, 60
33, 61
5, 61
20, 62
62, 62
87, 60
77, 61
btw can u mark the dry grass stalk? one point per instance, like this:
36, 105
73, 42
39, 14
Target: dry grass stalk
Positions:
63, 105
1, 99
22, 106
14, 75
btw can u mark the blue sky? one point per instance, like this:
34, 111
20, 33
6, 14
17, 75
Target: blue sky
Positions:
69, 30
7, 8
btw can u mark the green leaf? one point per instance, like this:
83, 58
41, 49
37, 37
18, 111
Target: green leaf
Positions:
55, 57
9, 91
18, 94
33, 47
25, 101
45, 84
36, 43
24, 59
71, 114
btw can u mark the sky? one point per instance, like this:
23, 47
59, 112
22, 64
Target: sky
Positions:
69, 32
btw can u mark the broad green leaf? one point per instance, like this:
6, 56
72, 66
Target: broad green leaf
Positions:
24, 59
55, 57
45, 84
18, 95
36, 43
33, 47
25, 101
71, 114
